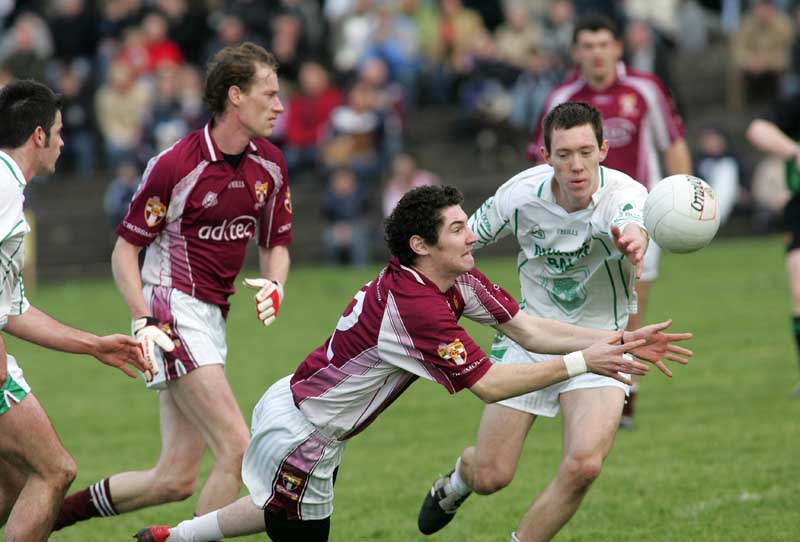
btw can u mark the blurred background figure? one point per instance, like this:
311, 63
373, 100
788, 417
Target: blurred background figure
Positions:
72, 81
122, 104
120, 191
718, 166
404, 176
345, 237
761, 55
307, 117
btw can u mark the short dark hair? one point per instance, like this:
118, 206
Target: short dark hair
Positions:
419, 212
569, 115
233, 66
24, 106
595, 22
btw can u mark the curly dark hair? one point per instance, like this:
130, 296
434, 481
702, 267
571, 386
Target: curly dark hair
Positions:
24, 106
233, 66
419, 212
569, 115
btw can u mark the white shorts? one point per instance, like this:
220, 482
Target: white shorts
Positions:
15, 388
651, 259
289, 464
544, 402
196, 327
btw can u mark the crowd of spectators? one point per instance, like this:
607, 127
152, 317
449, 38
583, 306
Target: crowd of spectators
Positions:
353, 74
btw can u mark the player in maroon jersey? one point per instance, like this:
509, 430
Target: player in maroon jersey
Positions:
639, 120
400, 326
199, 204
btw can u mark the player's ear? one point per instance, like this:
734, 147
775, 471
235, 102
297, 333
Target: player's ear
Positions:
235, 94
544, 154
604, 150
418, 245
39, 136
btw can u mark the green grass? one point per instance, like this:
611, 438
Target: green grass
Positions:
714, 457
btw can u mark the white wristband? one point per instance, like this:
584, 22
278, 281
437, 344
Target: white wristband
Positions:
575, 363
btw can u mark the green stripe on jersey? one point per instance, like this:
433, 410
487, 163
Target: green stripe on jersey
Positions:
622, 277
11, 169
614, 296
13, 229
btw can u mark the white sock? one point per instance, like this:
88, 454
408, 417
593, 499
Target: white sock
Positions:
457, 483
514, 537
201, 529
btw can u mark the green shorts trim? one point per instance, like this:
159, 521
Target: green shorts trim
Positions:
12, 392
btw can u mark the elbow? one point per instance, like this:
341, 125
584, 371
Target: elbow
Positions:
754, 130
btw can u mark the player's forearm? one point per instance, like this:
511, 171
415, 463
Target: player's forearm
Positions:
678, 159
504, 381
550, 336
125, 267
768, 138
39, 328
274, 263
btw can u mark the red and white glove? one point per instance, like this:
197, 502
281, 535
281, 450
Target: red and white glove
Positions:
149, 335
268, 298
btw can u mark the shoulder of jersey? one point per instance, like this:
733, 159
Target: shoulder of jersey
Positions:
527, 183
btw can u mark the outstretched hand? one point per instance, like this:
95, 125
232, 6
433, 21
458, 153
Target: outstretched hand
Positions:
632, 243
606, 358
119, 351
658, 345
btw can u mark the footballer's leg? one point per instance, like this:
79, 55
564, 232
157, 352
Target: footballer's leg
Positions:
205, 398
12, 480
240, 518
29, 442
591, 417
793, 270
173, 478
485, 468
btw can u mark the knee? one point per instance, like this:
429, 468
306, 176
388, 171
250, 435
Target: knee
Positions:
175, 486
61, 471
581, 471
491, 478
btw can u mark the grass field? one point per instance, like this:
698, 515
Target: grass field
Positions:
714, 456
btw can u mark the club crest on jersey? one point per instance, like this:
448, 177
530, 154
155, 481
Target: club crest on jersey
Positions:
210, 200
261, 192
289, 485
454, 352
628, 105
537, 231
154, 211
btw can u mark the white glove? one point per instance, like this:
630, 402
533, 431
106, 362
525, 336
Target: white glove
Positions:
268, 298
149, 335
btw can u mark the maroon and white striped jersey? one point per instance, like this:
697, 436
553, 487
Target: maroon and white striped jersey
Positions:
197, 214
398, 327
639, 120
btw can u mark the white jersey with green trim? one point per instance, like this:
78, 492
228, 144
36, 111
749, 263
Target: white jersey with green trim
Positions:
569, 268
13, 228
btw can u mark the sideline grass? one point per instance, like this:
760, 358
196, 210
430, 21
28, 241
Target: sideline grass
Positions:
714, 456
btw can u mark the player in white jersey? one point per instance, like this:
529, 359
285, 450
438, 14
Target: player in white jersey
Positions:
35, 469
400, 326
582, 241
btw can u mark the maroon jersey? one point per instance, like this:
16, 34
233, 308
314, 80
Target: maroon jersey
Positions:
639, 120
398, 327
197, 214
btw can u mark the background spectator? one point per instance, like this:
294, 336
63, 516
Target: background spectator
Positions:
345, 238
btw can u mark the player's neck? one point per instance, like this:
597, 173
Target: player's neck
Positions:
444, 281
603, 82
24, 161
229, 135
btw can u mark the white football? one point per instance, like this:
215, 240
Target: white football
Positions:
682, 213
